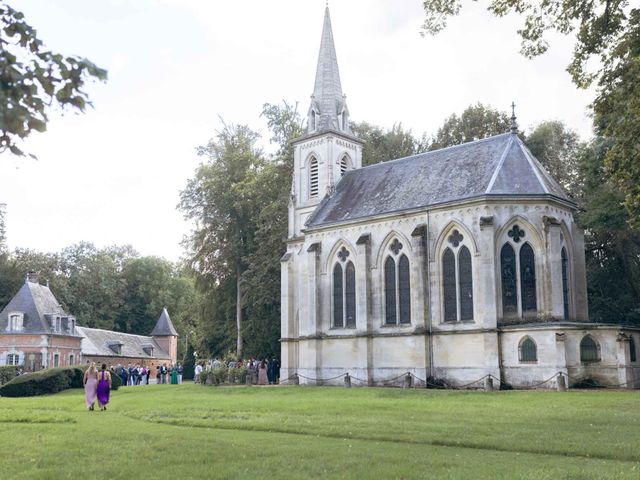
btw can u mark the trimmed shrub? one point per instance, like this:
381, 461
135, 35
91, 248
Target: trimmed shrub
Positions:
203, 376
220, 375
8, 373
189, 364
238, 375
51, 380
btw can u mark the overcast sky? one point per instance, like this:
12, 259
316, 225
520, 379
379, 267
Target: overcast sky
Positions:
113, 175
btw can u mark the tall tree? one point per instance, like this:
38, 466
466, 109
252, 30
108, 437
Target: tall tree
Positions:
607, 51
33, 79
223, 201
381, 145
612, 247
476, 122
557, 147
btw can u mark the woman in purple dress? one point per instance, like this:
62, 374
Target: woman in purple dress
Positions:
104, 387
90, 385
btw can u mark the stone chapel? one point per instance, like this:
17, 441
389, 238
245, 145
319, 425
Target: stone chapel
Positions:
452, 264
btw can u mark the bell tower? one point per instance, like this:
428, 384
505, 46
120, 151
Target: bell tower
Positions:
328, 148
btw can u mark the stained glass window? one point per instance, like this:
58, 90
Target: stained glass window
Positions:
449, 286
528, 350
390, 290
337, 296
404, 289
528, 278
508, 269
565, 284
350, 295
589, 351
466, 284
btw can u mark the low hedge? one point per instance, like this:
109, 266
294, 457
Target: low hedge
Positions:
51, 380
222, 375
8, 373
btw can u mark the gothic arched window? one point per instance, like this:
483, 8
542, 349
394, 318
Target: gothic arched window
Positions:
397, 286
508, 275
457, 281
518, 275
312, 125
344, 292
465, 284
449, 286
313, 177
338, 314
632, 349
344, 164
350, 296
565, 283
528, 278
390, 290
589, 350
404, 290
528, 351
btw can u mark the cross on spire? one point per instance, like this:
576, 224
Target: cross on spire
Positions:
514, 124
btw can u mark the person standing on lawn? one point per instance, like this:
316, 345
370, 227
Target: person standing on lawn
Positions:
104, 387
262, 373
91, 385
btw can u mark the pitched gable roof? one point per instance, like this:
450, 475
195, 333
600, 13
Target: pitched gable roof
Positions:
98, 342
496, 166
34, 301
164, 326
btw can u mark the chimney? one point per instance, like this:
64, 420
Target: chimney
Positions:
32, 277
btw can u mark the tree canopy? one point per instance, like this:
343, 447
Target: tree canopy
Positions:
34, 79
607, 53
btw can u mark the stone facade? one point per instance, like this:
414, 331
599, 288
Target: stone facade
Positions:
486, 254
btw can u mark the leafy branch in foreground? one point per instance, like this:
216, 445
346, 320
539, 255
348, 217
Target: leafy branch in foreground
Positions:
33, 79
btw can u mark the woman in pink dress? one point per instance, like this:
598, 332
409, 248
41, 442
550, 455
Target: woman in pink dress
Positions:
104, 387
262, 373
91, 385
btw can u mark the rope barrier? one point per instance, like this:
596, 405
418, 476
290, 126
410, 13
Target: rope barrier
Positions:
444, 385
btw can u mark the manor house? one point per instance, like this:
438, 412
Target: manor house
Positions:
451, 264
36, 332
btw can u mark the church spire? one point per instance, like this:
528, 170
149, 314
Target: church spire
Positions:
328, 110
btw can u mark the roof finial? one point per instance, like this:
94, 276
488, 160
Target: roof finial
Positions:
514, 124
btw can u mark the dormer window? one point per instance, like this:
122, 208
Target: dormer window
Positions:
148, 349
56, 324
313, 177
115, 347
16, 322
71, 325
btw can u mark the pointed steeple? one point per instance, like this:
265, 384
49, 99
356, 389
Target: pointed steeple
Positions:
164, 327
328, 110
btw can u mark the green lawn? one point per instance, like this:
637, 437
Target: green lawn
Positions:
189, 431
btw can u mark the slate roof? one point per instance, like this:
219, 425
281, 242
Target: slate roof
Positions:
36, 302
492, 167
327, 91
96, 342
164, 327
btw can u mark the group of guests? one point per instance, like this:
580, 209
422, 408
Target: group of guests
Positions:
259, 372
140, 374
97, 386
